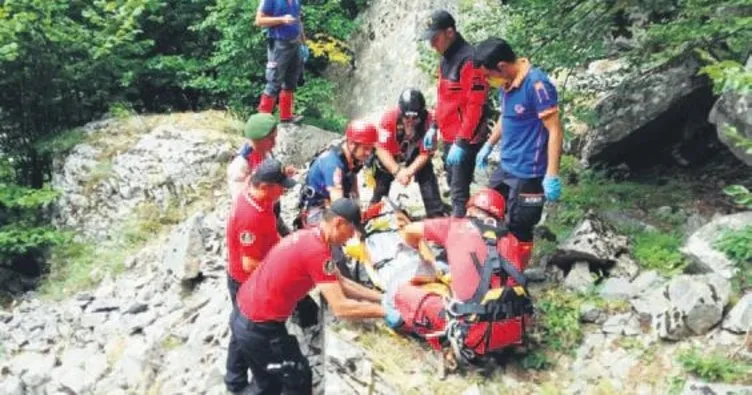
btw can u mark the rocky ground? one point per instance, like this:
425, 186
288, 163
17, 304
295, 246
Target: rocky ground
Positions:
159, 325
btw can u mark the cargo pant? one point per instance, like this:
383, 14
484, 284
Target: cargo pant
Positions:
524, 198
283, 67
429, 189
459, 177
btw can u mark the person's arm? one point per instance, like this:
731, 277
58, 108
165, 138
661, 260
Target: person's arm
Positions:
354, 290
333, 175
237, 175
250, 264
495, 135
555, 140
475, 86
387, 159
413, 234
418, 163
345, 308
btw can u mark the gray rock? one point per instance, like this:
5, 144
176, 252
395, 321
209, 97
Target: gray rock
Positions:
137, 308
626, 114
12, 385
5, 317
92, 320
70, 379
590, 313
33, 368
579, 277
622, 324
615, 288
185, 248
696, 305
739, 319
694, 387
297, 144
535, 274
701, 252
694, 222
646, 281
734, 110
103, 305
596, 242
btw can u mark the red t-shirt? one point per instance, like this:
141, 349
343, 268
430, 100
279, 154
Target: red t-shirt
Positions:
290, 270
251, 232
465, 239
388, 135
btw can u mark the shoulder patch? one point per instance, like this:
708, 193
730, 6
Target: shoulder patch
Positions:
541, 92
247, 238
329, 267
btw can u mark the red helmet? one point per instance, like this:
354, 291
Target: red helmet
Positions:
490, 201
362, 132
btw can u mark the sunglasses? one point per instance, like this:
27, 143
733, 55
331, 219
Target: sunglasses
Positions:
410, 114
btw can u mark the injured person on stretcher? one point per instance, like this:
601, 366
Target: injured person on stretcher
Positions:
455, 282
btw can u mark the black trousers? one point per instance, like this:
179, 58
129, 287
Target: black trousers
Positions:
429, 188
282, 229
459, 177
232, 287
524, 202
273, 355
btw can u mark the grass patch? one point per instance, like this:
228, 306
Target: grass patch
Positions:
558, 326
659, 251
737, 245
715, 366
676, 384
150, 219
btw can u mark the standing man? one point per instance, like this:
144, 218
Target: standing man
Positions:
252, 225
531, 136
300, 262
261, 132
401, 155
284, 62
461, 99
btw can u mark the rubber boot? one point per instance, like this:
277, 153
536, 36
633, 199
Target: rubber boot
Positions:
286, 98
266, 105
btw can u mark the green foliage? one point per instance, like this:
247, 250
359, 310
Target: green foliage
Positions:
676, 385
559, 320
741, 195
736, 244
659, 251
714, 366
60, 143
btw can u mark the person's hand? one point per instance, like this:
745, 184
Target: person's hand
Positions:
481, 161
290, 170
392, 317
305, 53
288, 19
429, 137
403, 177
455, 155
552, 187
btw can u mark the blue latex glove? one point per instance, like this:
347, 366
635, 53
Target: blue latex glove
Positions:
305, 53
481, 161
455, 155
552, 187
392, 317
429, 138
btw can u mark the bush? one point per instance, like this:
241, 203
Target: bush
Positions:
659, 251
714, 366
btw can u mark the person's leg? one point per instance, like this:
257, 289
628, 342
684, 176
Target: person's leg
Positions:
289, 68
282, 228
525, 207
383, 184
272, 87
232, 288
236, 377
447, 168
429, 191
296, 376
462, 177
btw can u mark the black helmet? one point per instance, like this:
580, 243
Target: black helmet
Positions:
412, 102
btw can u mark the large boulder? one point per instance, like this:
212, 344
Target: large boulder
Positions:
297, 144
733, 110
694, 305
739, 319
700, 249
386, 51
185, 248
596, 242
655, 109
101, 189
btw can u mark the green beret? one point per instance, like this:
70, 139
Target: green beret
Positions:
259, 125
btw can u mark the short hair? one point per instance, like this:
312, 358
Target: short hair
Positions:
329, 215
491, 51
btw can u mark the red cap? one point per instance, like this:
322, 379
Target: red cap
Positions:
362, 132
490, 201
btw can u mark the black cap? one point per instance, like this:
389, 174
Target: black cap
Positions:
436, 22
271, 171
349, 210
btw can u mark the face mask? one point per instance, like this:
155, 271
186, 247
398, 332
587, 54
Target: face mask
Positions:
495, 82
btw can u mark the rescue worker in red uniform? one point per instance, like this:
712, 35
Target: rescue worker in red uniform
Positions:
252, 226
261, 133
467, 247
401, 155
300, 262
460, 107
